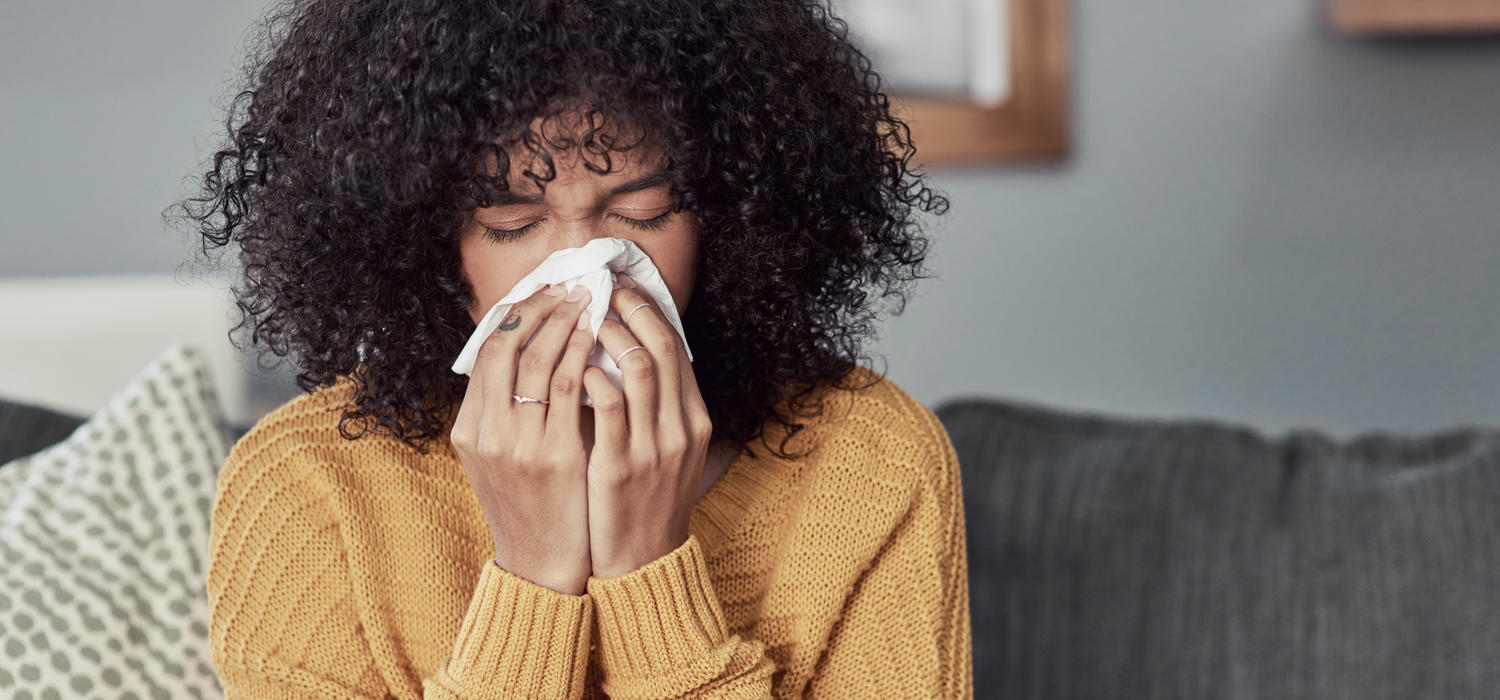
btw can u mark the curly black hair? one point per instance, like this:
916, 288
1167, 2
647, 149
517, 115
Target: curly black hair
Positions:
349, 168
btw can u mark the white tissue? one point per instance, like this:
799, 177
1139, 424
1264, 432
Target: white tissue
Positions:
594, 267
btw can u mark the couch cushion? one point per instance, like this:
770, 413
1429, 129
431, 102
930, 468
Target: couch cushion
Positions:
24, 428
1118, 558
102, 542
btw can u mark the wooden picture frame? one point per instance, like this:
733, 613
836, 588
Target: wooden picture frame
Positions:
1414, 17
1032, 123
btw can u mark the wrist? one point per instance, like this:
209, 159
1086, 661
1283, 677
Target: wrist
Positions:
564, 583
632, 559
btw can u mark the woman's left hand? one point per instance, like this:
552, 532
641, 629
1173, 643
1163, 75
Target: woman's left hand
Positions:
650, 443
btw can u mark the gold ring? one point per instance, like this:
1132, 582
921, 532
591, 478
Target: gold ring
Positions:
527, 399
627, 352
632, 313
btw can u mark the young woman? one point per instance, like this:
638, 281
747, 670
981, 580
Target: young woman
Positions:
771, 519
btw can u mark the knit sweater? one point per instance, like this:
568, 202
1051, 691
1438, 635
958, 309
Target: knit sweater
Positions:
361, 568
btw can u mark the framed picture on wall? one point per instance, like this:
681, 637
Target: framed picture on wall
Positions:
1414, 17
979, 81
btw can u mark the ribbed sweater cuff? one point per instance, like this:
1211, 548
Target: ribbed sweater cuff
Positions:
660, 618
521, 638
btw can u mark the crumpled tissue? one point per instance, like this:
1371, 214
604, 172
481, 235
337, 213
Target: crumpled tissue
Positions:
594, 266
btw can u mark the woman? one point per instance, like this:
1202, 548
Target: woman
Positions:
771, 519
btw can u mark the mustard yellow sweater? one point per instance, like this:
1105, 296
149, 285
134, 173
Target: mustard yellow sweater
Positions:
360, 568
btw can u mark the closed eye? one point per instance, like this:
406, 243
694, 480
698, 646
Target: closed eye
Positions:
655, 223
507, 234
651, 224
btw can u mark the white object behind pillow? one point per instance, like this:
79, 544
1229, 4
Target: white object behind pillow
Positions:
69, 343
102, 545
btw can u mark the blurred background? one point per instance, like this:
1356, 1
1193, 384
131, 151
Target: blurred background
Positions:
1259, 221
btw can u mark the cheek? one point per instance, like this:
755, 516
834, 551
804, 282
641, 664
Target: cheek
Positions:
490, 275
681, 284
677, 263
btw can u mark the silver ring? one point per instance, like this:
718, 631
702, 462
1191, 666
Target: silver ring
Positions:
527, 399
627, 352
632, 313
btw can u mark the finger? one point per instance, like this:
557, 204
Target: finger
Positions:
638, 370
688, 377
567, 382
465, 430
694, 408
539, 360
497, 360
610, 430
659, 336
465, 435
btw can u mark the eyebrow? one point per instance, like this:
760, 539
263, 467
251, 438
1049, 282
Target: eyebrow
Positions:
645, 182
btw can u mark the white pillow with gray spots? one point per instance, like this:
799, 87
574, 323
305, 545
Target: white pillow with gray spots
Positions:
102, 545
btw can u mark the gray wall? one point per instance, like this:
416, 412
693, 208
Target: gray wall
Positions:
105, 107
1261, 222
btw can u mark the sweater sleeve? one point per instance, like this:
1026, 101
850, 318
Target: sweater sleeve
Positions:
904, 631
662, 634
283, 618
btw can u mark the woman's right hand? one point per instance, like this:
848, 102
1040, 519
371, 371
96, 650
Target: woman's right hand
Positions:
526, 461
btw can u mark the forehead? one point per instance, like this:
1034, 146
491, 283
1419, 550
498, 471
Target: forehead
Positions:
579, 149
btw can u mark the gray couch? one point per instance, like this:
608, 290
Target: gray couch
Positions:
25, 429
1114, 558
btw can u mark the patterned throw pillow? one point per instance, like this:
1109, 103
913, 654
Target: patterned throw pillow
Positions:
102, 542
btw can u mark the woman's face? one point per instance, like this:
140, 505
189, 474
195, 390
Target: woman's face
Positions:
630, 202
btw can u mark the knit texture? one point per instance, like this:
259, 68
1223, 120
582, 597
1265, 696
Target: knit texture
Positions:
360, 568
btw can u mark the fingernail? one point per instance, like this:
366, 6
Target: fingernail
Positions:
617, 283
583, 320
553, 290
625, 280
576, 294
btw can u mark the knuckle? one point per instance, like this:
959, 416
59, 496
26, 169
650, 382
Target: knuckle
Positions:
534, 363
557, 460
673, 442
665, 344
581, 341
641, 366
564, 312
563, 385
701, 428
533, 303
612, 476
528, 460
548, 462
491, 448
609, 403
491, 348
646, 459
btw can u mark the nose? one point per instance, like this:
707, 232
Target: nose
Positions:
577, 233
